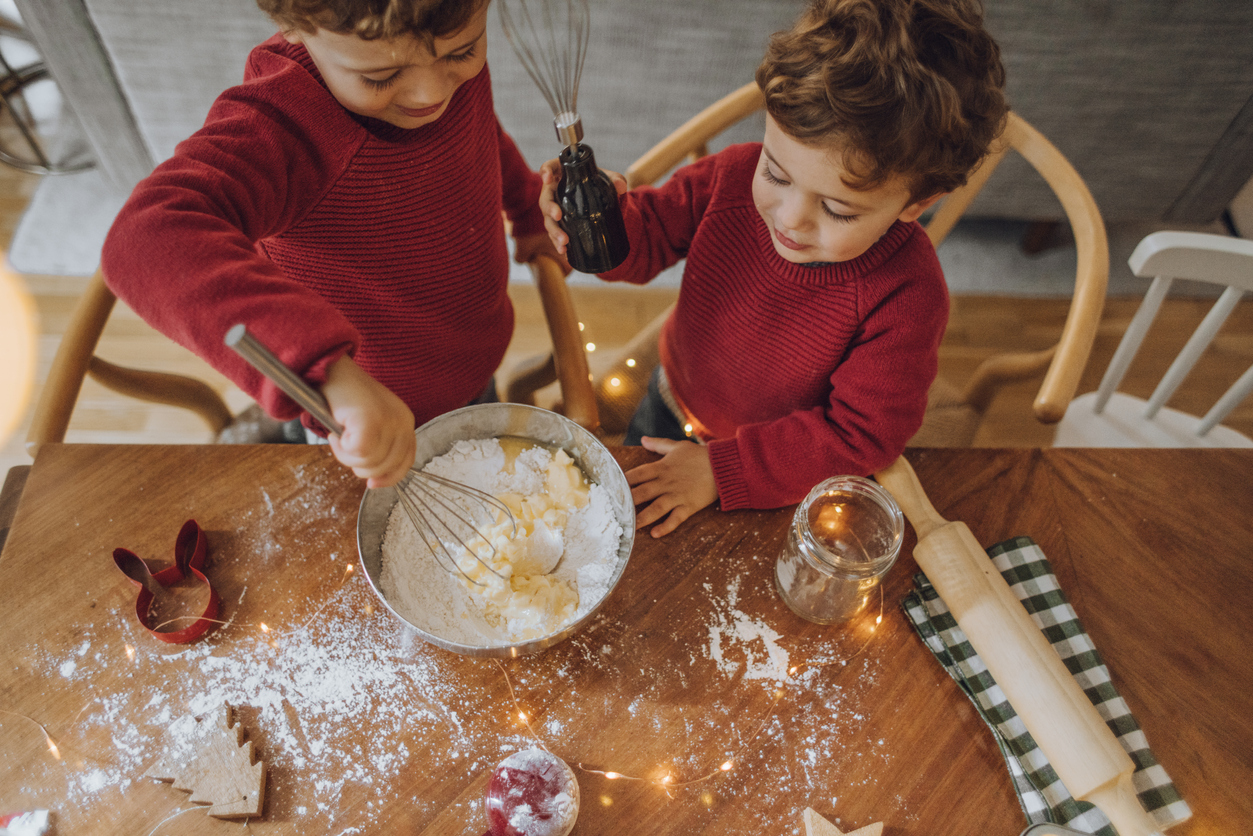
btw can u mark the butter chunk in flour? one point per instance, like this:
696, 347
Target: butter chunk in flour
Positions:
524, 584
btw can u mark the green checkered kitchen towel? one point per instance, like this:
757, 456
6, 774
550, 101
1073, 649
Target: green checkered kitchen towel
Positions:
1044, 800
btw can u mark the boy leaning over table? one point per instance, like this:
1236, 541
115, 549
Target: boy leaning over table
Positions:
344, 203
807, 328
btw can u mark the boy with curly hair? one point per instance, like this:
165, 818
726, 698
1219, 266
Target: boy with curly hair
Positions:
807, 328
345, 203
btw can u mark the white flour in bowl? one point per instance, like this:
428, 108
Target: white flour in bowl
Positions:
560, 518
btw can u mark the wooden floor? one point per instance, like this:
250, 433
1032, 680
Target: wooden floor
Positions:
979, 326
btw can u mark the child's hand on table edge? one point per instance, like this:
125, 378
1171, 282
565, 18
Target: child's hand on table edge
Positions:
377, 443
550, 175
676, 487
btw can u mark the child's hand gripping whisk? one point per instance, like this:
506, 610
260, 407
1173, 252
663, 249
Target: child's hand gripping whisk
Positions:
442, 511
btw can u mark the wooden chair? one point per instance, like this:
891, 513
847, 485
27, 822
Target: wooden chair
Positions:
75, 359
953, 412
1107, 418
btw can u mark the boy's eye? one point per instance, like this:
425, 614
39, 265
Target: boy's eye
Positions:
459, 57
770, 177
834, 215
381, 83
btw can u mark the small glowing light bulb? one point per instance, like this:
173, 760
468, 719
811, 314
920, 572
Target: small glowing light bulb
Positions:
522, 716
613, 381
687, 428
879, 619
580, 326
630, 362
612, 775
726, 767
591, 346
349, 569
265, 628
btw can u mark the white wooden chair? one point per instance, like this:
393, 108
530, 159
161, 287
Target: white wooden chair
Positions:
1107, 418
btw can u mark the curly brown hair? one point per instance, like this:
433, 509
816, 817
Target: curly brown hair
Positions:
374, 19
909, 88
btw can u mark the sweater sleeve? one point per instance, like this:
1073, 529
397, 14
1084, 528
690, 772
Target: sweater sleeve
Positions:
183, 252
877, 402
661, 221
521, 187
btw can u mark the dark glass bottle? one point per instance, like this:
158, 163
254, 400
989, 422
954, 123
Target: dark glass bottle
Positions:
589, 213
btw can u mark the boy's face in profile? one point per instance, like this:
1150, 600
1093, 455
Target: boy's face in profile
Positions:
399, 80
810, 213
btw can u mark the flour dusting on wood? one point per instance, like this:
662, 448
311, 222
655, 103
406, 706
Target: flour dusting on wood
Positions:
343, 702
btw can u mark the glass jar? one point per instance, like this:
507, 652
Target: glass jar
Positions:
844, 538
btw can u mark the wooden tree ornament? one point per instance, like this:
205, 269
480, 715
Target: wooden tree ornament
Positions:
221, 772
816, 825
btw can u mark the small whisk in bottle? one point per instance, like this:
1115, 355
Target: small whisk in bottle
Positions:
550, 39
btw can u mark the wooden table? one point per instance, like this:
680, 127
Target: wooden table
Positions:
367, 730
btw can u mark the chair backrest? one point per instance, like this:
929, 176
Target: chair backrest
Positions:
75, 360
1201, 257
1064, 361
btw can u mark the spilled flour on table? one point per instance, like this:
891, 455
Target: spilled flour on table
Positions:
301, 695
733, 634
344, 704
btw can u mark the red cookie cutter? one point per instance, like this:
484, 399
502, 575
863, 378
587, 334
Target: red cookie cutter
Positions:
190, 550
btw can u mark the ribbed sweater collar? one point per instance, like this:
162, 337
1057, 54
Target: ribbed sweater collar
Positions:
838, 272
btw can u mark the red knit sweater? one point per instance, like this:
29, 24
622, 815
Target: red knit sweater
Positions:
326, 232
790, 373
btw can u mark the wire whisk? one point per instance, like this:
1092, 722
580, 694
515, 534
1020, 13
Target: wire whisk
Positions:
442, 511
550, 39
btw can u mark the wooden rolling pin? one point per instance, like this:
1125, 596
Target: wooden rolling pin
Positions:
1064, 723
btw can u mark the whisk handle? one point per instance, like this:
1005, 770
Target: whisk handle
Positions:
263, 360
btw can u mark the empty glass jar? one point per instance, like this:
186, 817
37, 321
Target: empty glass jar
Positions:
844, 538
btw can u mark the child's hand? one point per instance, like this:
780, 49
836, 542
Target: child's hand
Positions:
527, 247
678, 485
377, 443
550, 175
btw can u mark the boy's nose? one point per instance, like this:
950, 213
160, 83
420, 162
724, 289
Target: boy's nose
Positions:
792, 213
427, 89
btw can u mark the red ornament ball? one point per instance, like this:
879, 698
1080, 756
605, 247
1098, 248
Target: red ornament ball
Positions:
532, 793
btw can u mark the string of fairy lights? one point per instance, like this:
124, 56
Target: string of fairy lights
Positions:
667, 782
623, 384
129, 649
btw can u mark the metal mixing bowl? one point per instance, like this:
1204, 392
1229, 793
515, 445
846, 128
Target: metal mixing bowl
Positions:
435, 438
